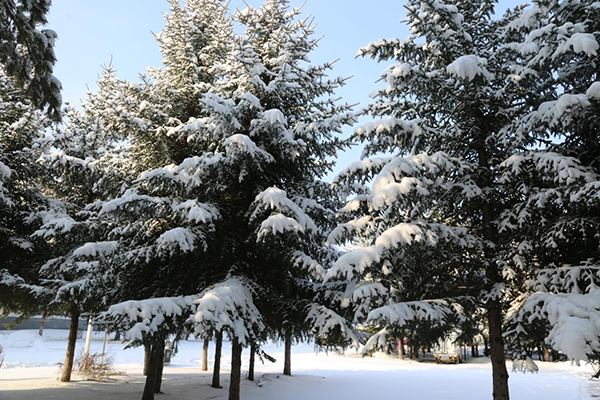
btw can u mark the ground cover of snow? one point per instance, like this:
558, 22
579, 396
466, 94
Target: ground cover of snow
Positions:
30, 372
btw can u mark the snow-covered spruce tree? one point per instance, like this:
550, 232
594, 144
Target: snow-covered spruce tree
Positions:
85, 165
239, 196
288, 123
194, 43
555, 215
228, 307
150, 322
429, 222
27, 53
22, 142
160, 220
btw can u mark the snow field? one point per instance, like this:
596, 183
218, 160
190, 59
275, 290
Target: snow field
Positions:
30, 373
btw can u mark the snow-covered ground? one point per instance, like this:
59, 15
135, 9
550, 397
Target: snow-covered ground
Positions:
30, 372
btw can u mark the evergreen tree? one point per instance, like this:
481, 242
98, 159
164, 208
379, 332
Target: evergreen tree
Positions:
294, 118
85, 166
22, 197
27, 54
429, 223
229, 152
555, 211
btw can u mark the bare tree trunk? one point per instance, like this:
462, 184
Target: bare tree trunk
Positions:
117, 336
152, 372
410, 352
236, 370
499, 372
546, 353
205, 355
42, 323
68, 366
251, 366
147, 349
400, 346
287, 364
160, 364
216, 381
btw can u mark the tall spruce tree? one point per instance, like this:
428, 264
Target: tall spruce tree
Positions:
297, 122
22, 196
229, 153
86, 165
555, 211
429, 223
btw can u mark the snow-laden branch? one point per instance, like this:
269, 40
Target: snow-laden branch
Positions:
574, 318
324, 321
228, 306
144, 320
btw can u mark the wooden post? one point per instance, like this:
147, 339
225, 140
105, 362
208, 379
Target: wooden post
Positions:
88, 338
104, 347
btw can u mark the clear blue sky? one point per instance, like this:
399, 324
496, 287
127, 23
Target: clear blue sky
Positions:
90, 32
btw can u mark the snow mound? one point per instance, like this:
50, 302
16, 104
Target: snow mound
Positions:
23, 338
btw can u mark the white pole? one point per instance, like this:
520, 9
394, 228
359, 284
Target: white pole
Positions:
104, 346
88, 339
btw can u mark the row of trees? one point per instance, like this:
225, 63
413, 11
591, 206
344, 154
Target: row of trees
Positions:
194, 201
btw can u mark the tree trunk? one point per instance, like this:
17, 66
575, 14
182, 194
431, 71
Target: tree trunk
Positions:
236, 370
251, 366
42, 323
68, 366
410, 352
117, 336
546, 353
152, 372
205, 355
494, 310
499, 372
160, 364
216, 381
400, 347
287, 364
147, 349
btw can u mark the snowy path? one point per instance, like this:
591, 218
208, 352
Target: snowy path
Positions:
316, 377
